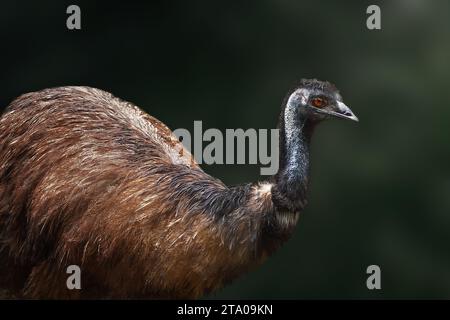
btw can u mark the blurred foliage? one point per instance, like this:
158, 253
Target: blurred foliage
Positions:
380, 189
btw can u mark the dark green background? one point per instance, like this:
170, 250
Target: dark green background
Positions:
380, 189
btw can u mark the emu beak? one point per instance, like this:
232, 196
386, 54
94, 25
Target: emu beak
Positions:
344, 112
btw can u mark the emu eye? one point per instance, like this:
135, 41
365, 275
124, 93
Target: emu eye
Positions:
319, 102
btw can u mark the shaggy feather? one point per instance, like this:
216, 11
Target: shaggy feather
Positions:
91, 180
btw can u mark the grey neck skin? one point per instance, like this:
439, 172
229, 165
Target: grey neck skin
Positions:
296, 147
291, 181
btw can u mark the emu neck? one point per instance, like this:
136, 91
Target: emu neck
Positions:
295, 147
291, 181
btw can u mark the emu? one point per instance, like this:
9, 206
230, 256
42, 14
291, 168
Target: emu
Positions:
88, 179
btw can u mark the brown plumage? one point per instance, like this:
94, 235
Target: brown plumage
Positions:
88, 179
